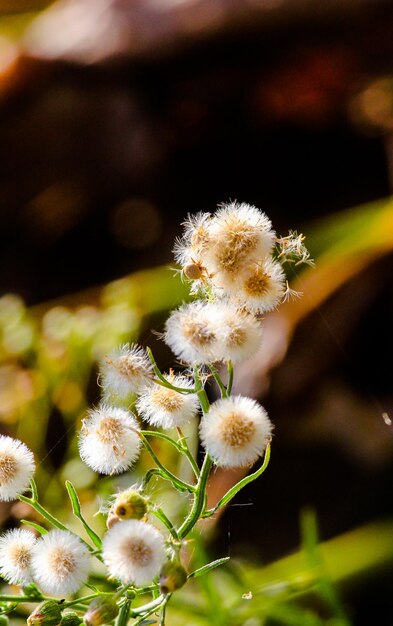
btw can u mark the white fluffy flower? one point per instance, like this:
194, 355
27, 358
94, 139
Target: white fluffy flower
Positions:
125, 371
134, 552
15, 556
239, 333
190, 332
167, 408
195, 239
60, 563
109, 441
261, 288
235, 431
16, 467
239, 234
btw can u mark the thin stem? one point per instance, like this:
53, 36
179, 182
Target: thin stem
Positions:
159, 513
81, 600
149, 475
220, 384
230, 378
199, 499
151, 606
161, 378
230, 494
183, 445
203, 399
123, 617
42, 511
177, 482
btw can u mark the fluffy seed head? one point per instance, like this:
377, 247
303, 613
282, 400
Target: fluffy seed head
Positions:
167, 408
262, 288
60, 562
195, 238
15, 556
239, 333
16, 467
239, 235
191, 334
109, 441
134, 552
125, 371
235, 431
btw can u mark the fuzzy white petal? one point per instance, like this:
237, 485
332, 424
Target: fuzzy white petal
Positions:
109, 441
190, 332
261, 288
235, 431
167, 408
15, 556
125, 371
16, 467
60, 563
134, 552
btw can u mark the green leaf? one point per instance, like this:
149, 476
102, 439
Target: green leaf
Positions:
37, 527
208, 567
76, 509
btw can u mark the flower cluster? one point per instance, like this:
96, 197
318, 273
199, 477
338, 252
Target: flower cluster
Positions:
233, 259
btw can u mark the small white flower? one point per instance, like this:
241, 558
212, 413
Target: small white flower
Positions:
191, 334
239, 234
125, 371
195, 239
109, 441
261, 288
134, 552
15, 556
238, 332
60, 563
235, 431
16, 467
167, 408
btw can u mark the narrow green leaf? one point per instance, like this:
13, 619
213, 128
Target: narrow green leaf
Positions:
37, 527
76, 509
208, 567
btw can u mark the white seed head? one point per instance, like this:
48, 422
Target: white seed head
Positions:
191, 334
239, 235
262, 288
167, 408
125, 371
60, 563
239, 333
109, 441
195, 238
134, 552
235, 431
16, 467
15, 556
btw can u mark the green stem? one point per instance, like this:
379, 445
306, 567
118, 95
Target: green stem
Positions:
123, 617
230, 378
161, 378
220, 384
199, 499
81, 600
159, 513
148, 608
183, 445
242, 483
40, 509
177, 482
203, 399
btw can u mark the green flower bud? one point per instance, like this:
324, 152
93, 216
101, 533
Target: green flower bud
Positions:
70, 619
130, 505
45, 614
172, 576
4, 620
102, 610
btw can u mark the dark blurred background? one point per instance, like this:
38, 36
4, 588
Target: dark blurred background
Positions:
118, 117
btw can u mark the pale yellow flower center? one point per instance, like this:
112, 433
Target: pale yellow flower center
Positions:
167, 399
258, 283
20, 556
138, 552
109, 429
236, 337
126, 366
237, 430
197, 333
8, 468
61, 562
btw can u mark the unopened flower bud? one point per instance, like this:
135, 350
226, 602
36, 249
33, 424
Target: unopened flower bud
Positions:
130, 505
4, 620
172, 576
45, 614
102, 610
193, 271
70, 619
